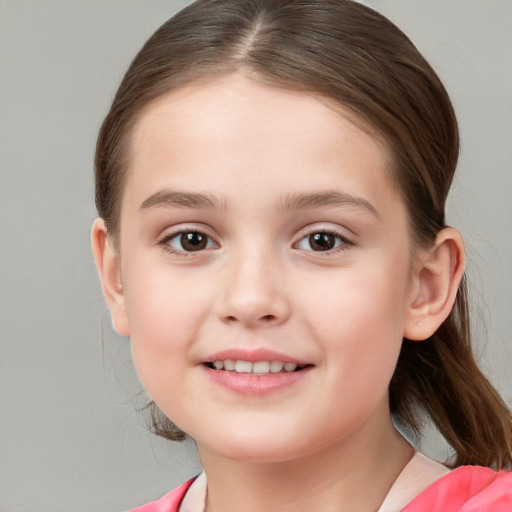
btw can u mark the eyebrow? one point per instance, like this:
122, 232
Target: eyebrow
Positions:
296, 201
172, 198
326, 198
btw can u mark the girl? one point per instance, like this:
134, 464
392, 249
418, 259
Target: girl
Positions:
271, 181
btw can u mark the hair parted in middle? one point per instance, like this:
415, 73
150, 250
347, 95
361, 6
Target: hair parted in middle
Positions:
354, 57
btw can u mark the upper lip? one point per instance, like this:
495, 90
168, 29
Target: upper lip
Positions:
253, 356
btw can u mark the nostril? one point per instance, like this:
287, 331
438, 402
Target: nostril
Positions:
262, 319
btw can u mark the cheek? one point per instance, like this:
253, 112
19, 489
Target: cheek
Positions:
164, 322
163, 304
368, 298
360, 315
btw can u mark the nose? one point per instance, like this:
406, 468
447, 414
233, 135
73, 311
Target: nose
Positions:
253, 292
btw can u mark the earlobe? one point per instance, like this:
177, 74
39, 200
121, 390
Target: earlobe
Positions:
437, 278
109, 270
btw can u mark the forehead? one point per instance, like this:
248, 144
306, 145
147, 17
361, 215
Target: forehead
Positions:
219, 95
235, 128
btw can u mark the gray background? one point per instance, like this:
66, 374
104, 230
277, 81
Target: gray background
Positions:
70, 439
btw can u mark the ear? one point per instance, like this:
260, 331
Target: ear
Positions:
109, 269
436, 281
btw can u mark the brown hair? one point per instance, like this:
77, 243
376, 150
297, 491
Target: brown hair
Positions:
353, 55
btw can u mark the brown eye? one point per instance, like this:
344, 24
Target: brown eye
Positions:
191, 241
321, 242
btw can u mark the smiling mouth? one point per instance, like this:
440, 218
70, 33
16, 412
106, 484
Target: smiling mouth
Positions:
256, 368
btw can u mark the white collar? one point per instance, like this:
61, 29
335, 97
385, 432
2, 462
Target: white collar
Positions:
417, 475
195, 499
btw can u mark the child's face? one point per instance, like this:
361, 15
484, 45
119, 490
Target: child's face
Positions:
260, 225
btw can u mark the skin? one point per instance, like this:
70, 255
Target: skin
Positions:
253, 150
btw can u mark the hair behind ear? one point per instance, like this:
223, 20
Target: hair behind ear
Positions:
439, 376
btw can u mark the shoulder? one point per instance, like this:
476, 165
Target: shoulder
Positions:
168, 503
467, 489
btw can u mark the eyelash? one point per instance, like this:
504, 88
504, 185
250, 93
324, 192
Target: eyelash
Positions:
343, 242
165, 240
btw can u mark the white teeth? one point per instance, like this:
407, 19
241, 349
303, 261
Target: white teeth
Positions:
229, 364
276, 366
243, 367
259, 367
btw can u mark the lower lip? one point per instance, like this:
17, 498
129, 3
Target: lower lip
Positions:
256, 384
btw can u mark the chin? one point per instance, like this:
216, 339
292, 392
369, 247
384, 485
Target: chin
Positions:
257, 455
258, 448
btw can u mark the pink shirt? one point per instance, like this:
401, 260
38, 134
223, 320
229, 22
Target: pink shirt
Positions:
465, 489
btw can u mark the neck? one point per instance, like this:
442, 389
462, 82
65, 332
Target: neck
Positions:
354, 474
